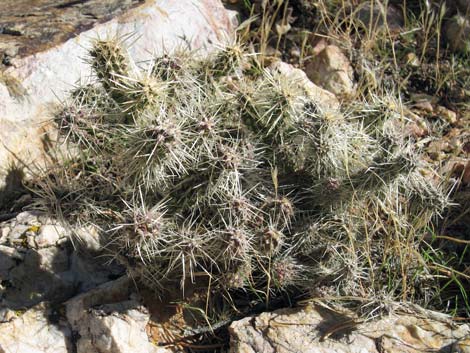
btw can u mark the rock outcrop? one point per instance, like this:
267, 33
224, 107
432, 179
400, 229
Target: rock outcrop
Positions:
110, 318
38, 263
106, 319
67, 296
70, 300
38, 330
315, 329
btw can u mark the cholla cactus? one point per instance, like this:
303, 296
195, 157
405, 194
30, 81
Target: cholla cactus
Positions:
109, 62
239, 182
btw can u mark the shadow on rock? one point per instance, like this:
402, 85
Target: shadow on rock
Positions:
13, 194
39, 265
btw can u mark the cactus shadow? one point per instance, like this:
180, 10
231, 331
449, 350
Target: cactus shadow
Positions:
13, 194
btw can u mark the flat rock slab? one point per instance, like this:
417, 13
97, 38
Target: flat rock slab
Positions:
315, 329
31, 26
38, 330
43, 44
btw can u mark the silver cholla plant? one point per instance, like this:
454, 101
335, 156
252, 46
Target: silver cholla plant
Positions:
223, 173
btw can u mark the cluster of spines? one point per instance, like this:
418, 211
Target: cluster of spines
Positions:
204, 147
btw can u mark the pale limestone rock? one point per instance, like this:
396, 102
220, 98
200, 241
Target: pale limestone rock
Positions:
118, 328
325, 100
38, 262
54, 274
4, 231
12, 252
291, 330
30, 85
315, 329
14, 230
331, 69
17, 232
39, 230
26, 217
49, 235
107, 321
32, 332
110, 292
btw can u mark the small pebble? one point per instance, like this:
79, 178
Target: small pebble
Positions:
424, 105
412, 60
295, 53
447, 114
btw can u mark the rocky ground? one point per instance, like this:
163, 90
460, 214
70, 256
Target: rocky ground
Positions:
74, 301
62, 293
